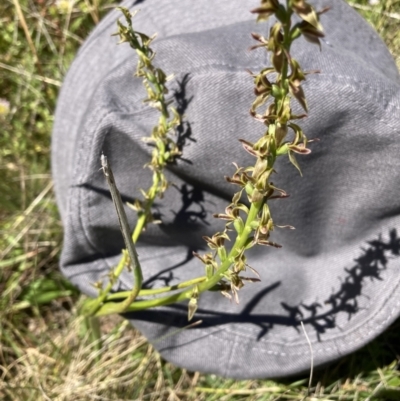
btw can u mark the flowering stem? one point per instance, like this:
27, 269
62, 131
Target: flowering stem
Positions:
254, 180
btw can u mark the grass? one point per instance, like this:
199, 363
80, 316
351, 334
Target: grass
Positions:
46, 351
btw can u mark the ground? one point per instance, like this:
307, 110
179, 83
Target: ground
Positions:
46, 351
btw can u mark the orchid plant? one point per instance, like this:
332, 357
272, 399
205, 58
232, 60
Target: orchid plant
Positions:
248, 217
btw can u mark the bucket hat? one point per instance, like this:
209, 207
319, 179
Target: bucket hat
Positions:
338, 272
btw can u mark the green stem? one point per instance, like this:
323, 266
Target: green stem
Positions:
95, 304
112, 307
164, 109
287, 44
156, 291
142, 220
139, 227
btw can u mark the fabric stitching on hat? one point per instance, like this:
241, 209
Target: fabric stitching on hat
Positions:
172, 6
317, 350
324, 349
89, 219
366, 322
82, 147
357, 84
233, 345
249, 332
367, 89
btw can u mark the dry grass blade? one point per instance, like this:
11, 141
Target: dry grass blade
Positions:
19, 71
66, 367
262, 390
312, 359
395, 16
22, 218
26, 30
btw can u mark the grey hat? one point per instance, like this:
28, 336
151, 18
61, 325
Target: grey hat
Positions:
338, 272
